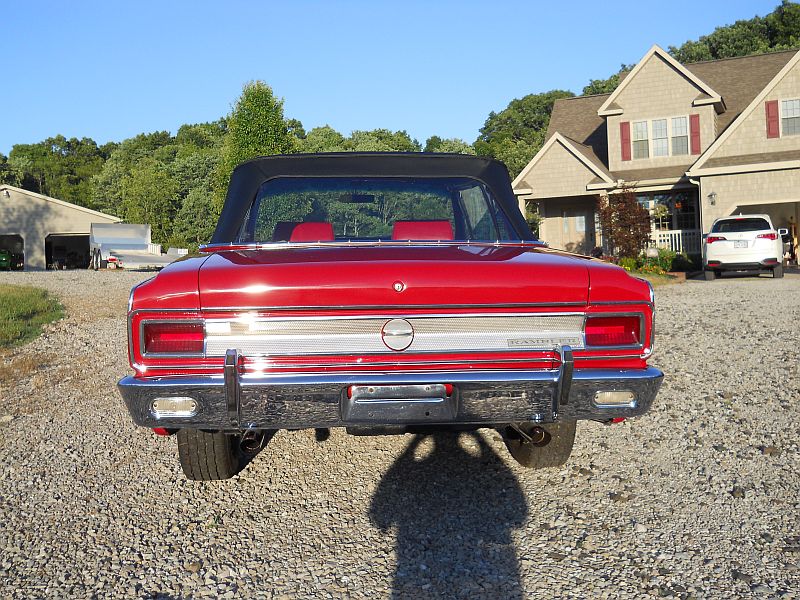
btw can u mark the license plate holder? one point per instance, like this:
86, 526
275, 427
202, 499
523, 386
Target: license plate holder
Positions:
740, 243
398, 404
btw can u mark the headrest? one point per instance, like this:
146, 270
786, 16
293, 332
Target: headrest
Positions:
283, 230
312, 232
422, 230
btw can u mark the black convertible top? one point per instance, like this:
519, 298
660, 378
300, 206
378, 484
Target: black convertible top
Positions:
248, 177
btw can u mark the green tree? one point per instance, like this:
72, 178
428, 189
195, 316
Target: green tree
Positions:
515, 134
382, 140
256, 127
195, 221
150, 195
606, 86
59, 167
783, 25
324, 139
451, 145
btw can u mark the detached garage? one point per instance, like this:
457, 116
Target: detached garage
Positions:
41, 232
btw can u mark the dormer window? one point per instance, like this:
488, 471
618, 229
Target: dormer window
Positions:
669, 136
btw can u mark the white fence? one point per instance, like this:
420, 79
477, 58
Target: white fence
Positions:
686, 241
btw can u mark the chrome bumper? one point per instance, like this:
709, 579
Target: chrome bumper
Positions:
297, 401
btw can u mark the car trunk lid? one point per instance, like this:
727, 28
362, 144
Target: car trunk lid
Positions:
391, 276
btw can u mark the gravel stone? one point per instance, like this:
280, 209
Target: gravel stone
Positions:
92, 506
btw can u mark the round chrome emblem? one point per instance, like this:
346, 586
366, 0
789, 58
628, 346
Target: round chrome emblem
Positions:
398, 286
397, 334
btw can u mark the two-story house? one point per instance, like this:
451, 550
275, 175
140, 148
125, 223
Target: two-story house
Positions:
694, 142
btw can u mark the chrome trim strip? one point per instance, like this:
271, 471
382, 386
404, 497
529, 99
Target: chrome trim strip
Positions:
364, 307
234, 246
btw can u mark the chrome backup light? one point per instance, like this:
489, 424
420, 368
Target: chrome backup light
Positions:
609, 399
178, 406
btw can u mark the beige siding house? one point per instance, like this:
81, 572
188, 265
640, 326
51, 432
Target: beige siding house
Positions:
695, 142
41, 232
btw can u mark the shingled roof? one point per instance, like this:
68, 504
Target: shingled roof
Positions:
737, 80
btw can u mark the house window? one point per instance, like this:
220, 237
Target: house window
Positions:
680, 136
641, 147
660, 139
790, 117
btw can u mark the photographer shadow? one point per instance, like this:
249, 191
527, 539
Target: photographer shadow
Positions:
454, 511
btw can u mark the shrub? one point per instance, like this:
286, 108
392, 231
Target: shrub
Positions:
628, 263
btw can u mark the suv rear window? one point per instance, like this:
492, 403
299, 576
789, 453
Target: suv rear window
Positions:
740, 225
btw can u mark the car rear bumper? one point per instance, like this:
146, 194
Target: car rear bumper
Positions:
718, 265
288, 401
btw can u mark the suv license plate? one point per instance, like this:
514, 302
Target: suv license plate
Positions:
740, 244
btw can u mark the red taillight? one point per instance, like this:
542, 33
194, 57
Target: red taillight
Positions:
768, 236
613, 331
715, 238
173, 338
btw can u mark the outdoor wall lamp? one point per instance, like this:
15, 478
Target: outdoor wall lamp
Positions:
6, 194
712, 198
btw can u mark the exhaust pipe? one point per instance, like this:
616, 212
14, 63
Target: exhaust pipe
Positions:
252, 441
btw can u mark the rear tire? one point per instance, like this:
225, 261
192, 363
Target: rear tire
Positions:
711, 275
777, 272
206, 456
553, 451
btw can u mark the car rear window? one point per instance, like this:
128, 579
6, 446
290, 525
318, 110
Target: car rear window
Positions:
740, 225
375, 208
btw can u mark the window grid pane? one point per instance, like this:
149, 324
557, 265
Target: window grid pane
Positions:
640, 149
680, 145
791, 126
679, 126
640, 131
660, 147
659, 129
790, 108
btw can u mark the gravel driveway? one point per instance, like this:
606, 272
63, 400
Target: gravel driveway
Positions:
698, 499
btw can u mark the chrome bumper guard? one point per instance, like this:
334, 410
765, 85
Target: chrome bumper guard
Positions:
294, 401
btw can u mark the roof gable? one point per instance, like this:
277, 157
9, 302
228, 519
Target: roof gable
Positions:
755, 103
579, 151
706, 94
59, 202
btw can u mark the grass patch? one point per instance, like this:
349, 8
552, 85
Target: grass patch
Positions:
23, 312
657, 280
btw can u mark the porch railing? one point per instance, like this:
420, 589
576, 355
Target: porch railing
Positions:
686, 241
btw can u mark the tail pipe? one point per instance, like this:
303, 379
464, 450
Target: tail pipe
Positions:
252, 441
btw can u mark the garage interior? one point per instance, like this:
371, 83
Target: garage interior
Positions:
66, 251
16, 247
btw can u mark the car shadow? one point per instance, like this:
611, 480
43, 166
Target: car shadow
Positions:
454, 511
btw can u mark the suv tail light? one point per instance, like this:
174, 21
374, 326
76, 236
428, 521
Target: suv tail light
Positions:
768, 236
173, 338
613, 331
715, 238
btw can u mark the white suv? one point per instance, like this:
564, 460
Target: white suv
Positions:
743, 243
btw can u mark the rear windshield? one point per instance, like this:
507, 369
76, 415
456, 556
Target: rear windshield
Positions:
740, 225
305, 209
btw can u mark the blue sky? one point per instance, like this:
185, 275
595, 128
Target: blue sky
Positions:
109, 70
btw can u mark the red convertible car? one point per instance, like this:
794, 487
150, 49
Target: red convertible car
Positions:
384, 293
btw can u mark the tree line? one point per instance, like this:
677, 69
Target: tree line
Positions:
177, 182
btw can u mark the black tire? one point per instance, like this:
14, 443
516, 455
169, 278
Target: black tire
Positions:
206, 456
711, 275
552, 451
777, 272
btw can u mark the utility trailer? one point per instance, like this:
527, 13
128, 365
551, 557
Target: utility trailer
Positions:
127, 245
